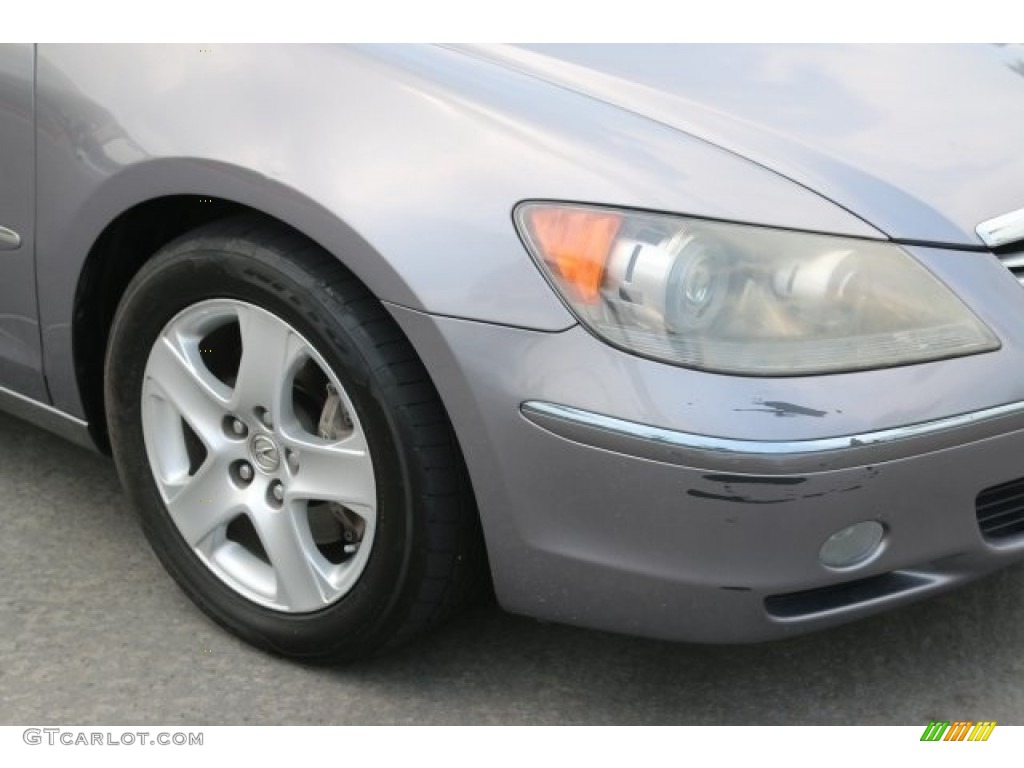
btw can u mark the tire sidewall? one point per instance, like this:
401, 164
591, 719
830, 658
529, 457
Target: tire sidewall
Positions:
183, 276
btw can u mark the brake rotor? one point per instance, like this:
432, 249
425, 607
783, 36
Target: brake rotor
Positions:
331, 523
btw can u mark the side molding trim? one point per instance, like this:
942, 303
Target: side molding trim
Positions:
9, 239
47, 417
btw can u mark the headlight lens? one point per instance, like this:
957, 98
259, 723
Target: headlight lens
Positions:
747, 300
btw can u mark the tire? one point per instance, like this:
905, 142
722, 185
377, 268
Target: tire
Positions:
284, 449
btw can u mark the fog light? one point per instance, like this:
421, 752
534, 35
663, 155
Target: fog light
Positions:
853, 544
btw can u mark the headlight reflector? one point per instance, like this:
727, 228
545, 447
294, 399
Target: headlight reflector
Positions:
743, 299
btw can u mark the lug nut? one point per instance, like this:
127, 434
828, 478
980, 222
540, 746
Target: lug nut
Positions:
245, 472
267, 421
277, 491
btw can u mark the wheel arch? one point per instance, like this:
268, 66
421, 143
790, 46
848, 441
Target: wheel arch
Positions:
127, 230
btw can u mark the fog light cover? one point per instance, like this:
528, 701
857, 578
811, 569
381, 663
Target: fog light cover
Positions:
852, 545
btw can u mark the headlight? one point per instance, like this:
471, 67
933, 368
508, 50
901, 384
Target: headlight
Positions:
743, 299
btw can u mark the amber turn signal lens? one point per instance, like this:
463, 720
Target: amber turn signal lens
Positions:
575, 242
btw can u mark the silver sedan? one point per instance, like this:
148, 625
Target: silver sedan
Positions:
703, 343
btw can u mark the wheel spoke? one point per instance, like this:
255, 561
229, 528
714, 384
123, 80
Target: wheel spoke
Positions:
192, 393
238, 474
204, 502
269, 351
300, 586
340, 471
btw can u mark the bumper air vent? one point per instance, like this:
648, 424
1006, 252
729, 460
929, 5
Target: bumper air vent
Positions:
1000, 511
797, 605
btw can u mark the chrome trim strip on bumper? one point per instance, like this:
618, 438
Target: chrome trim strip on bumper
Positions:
675, 447
769, 447
1002, 230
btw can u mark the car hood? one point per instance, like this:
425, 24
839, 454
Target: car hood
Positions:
922, 142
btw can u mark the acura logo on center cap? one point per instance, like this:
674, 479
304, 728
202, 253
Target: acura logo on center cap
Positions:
264, 453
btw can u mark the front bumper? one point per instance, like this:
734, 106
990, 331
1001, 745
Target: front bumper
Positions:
739, 538
661, 531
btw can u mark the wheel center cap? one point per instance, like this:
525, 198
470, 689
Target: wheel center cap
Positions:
265, 453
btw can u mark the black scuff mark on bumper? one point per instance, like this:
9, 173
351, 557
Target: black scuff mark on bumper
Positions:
783, 409
755, 479
734, 496
737, 499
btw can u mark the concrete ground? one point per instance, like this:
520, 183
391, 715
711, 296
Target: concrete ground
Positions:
92, 631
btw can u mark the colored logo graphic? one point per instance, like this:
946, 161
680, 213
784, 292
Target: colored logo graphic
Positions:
959, 730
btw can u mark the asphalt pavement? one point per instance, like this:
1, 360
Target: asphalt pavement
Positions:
93, 632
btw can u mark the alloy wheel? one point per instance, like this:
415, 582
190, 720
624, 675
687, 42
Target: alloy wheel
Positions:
259, 455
